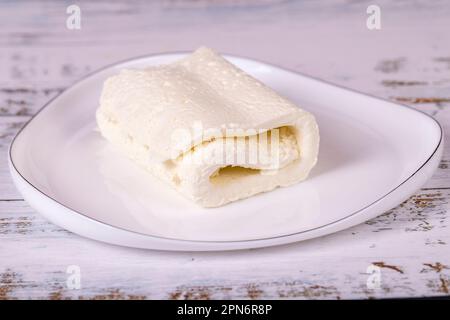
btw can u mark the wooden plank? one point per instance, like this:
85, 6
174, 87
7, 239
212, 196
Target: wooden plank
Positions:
409, 243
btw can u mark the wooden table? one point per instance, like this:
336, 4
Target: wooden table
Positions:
407, 60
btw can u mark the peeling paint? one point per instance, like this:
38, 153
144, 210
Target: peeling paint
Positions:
381, 264
402, 83
438, 267
191, 293
390, 65
8, 281
421, 100
444, 284
115, 294
254, 292
308, 292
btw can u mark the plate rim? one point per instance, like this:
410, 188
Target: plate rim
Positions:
206, 242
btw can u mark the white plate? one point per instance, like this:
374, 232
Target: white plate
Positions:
373, 155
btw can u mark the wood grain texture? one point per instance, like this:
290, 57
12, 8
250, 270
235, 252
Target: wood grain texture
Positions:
407, 61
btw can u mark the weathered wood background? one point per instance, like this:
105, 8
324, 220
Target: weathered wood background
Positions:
408, 60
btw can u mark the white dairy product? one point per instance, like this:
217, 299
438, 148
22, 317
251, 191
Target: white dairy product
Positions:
153, 116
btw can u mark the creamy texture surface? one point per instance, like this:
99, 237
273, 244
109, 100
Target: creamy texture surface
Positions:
152, 114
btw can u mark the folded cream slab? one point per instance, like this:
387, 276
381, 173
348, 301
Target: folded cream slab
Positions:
207, 128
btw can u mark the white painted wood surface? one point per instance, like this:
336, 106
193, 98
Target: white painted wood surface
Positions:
408, 60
